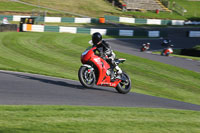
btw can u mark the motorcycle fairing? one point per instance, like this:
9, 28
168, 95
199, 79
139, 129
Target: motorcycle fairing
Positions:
103, 66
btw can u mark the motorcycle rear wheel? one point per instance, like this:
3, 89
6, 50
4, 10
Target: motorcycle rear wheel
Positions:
87, 78
124, 86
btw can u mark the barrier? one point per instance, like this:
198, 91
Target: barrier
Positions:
38, 28
154, 33
127, 20
68, 20
109, 31
194, 33
178, 22
52, 28
29, 27
100, 20
154, 21
68, 29
18, 18
140, 21
8, 27
83, 30
125, 32
52, 19
82, 20
144, 21
102, 31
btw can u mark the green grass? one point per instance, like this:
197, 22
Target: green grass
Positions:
181, 56
187, 57
192, 8
92, 8
6, 5
58, 54
14, 8
85, 25
197, 47
177, 53
152, 14
102, 7
57, 119
9, 7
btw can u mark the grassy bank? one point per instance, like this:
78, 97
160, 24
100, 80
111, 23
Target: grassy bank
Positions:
92, 8
182, 56
14, 8
102, 7
56, 119
192, 8
177, 53
6, 5
58, 54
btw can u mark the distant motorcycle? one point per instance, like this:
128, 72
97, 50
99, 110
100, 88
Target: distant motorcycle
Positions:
145, 47
167, 51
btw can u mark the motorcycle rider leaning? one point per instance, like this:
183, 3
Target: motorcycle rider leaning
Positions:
104, 51
146, 46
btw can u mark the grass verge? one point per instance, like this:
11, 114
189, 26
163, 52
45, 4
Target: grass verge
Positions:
58, 54
56, 119
177, 54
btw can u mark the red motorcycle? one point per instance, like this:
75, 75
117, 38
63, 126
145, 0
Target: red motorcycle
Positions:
167, 51
96, 71
145, 47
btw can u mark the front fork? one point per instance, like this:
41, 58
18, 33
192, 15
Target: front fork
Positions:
90, 68
88, 73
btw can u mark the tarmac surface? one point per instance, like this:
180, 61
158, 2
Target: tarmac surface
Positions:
132, 46
30, 89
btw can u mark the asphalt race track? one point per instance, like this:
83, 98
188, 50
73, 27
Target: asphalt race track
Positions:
30, 89
132, 46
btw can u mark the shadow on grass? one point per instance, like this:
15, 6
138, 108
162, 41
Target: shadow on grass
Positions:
194, 18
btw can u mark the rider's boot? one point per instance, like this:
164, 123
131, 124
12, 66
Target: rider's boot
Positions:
119, 72
112, 75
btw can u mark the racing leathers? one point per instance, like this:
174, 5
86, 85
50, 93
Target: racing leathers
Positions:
104, 51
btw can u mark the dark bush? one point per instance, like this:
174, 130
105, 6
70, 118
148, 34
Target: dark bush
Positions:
191, 52
8, 27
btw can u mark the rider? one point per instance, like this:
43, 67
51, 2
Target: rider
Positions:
166, 42
146, 45
168, 50
105, 52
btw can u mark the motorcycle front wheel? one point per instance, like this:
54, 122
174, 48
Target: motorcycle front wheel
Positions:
125, 85
142, 49
86, 77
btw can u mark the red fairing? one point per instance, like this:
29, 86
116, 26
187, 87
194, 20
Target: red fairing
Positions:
103, 79
87, 54
102, 66
168, 51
